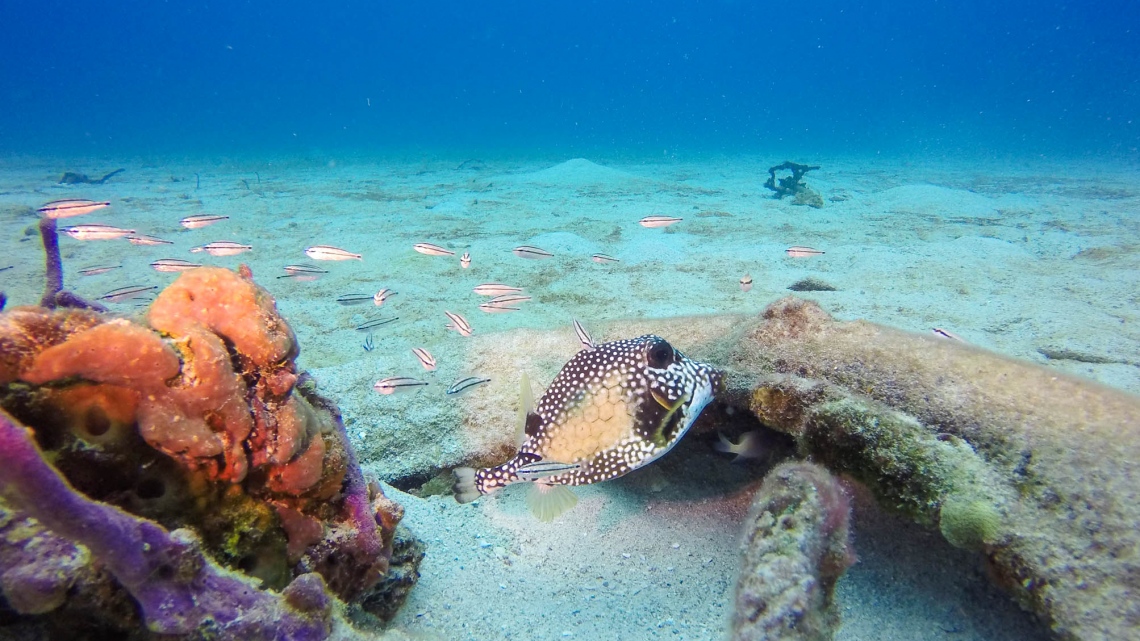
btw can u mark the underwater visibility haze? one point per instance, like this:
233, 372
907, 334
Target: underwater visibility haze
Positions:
551, 320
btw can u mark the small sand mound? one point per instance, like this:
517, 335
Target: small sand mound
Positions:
580, 171
935, 200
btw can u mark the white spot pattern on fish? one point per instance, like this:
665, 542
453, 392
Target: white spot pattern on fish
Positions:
610, 410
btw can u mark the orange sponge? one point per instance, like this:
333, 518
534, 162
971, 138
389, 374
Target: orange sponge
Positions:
232, 307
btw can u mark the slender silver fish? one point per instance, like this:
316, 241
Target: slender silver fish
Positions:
584, 336
459, 324
95, 232
353, 299
127, 293
497, 308
143, 239
394, 384
381, 296
70, 207
432, 250
173, 265
533, 253
370, 325
425, 358
328, 252
462, 385
495, 289
222, 248
97, 269
654, 222
201, 220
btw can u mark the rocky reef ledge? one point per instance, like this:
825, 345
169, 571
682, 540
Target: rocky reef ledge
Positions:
1033, 470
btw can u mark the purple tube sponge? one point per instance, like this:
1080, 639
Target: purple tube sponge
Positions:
179, 590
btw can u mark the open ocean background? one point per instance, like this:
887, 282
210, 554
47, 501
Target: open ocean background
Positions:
968, 77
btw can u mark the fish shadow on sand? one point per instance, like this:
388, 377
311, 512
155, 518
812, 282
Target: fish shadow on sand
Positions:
73, 178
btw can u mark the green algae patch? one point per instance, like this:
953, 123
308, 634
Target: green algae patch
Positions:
969, 524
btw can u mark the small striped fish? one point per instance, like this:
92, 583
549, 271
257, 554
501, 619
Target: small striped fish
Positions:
222, 248
746, 283
328, 252
71, 207
462, 385
500, 308
653, 222
602, 259
368, 326
465, 260
584, 336
97, 269
944, 333
302, 268
381, 296
495, 289
425, 358
95, 232
201, 220
143, 239
799, 251
534, 253
432, 250
127, 293
504, 303
509, 299
394, 384
353, 299
173, 265
459, 324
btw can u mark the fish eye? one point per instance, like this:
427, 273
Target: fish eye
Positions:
660, 354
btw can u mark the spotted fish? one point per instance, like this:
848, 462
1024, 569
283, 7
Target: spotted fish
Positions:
614, 407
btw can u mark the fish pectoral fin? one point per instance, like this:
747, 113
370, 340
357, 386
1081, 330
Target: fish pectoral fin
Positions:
464, 488
548, 502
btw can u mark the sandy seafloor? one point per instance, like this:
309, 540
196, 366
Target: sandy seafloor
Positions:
1022, 257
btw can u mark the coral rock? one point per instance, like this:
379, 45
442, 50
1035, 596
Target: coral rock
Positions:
1033, 467
796, 547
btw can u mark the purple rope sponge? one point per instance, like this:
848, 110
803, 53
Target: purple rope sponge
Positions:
179, 590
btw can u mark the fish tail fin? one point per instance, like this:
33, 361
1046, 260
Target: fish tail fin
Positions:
547, 502
750, 446
465, 488
724, 445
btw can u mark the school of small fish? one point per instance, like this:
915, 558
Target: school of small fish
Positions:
613, 408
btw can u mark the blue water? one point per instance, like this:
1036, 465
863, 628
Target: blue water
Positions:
972, 76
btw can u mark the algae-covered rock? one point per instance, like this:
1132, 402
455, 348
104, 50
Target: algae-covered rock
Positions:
1032, 466
796, 546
